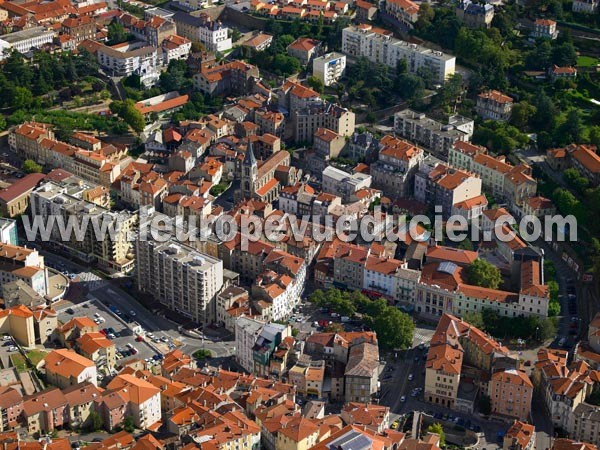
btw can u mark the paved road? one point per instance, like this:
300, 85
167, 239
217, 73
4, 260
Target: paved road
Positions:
108, 292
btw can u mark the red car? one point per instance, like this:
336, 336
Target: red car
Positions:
139, 339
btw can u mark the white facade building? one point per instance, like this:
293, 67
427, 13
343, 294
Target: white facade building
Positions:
25, 40
131, 59
329, 68
213, 34
430, 133
246, 332
344, 184
377, 47
176, 47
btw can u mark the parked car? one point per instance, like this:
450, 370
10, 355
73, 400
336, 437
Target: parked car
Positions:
139, 339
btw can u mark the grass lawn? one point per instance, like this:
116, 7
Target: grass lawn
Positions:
36, 356
587, 61
19, 362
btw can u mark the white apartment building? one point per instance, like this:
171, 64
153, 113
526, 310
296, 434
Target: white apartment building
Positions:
544, 28
282, 291
144, 399
344, 184
246, 333
179, 276
380, 47
430, 133
8, 231
128, 59
113, 252
329, 68
391, 278
26, 40
586, 6
213, 34
66, 368
176, 47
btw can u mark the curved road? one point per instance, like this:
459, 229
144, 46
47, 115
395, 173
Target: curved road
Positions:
108, 293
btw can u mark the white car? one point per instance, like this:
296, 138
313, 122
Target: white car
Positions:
403, 399
410, 377
97, 315
12, 348
6, 338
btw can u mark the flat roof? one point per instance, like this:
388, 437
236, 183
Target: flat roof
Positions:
22, 35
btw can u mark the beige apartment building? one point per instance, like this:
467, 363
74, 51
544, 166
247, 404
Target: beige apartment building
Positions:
180, 277
510, 393
323, 114
14, 200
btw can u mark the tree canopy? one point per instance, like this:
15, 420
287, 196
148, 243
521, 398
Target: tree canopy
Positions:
484, 274
30, 166
394, 328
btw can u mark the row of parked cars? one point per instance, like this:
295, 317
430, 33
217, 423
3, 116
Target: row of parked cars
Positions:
8, 342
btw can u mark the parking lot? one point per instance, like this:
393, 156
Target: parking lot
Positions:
124, 338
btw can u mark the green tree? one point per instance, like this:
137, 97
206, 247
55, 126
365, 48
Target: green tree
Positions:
545, 115
394, 329
426, 15
521, 114
202, 354
316, 84
236, 35
2, 123
554, 305
116, 33
466, 245
129, 113
30, 166
128, 424
594, 135
475, 319
439, 430
484, 274
21, 97
94, 422
564, 54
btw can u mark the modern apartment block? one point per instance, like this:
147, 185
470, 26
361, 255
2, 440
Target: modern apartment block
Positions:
378, 46
179, 276
431, 134
112, 249
127, 59
329, 68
